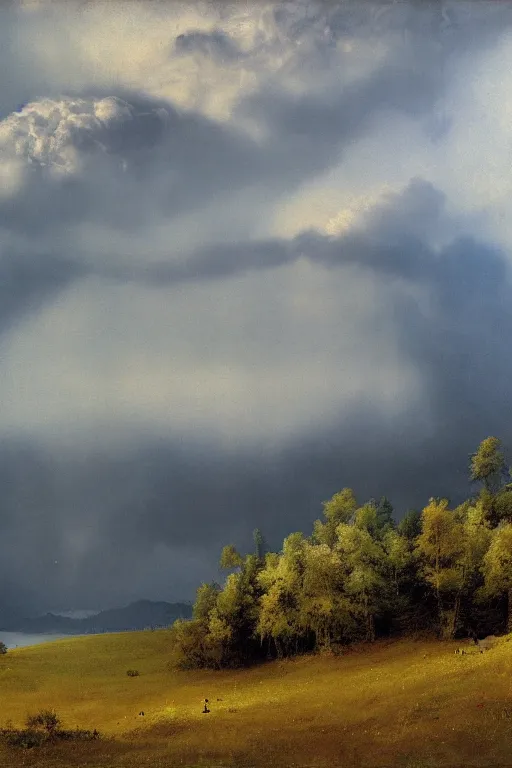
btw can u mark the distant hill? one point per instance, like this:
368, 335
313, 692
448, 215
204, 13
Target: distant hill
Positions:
139, 615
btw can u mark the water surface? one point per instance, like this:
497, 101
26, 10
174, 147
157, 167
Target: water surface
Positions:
23, 639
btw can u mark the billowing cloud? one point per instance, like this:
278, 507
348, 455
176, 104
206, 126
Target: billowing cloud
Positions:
248, 255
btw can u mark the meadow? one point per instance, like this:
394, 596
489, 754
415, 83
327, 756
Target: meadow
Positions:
411, 704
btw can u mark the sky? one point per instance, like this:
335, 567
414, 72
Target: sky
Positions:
250, 254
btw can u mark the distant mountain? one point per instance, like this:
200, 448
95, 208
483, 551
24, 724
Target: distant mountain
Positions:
142, 614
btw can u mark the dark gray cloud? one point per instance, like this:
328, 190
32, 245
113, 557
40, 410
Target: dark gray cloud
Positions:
191, 496
392, 239
26, 283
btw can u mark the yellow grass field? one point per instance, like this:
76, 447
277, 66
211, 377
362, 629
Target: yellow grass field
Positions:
380, 705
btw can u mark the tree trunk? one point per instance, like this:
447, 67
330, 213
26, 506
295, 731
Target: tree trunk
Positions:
371, 628
456, 612
370, 623
440, 611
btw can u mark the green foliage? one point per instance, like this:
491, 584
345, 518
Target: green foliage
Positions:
439, 543
503, 505
206, 600
410, 525
3, 648
339, 509
230, 558
497, 565
399, 551
190, 645
281, 581
366, 518
363, 559
259, 544
385, 519
488, 464
325, 610
451, 547
222, 632
376, 518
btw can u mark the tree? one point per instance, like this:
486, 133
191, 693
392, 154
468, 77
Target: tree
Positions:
497, 567
439, 545
341, 506
475, 539
324, 609
364, 561
206, 600
410, 525
230, 558
399, 552
488, 464
233, 622
385, 519
503, 505
259, 544
217, 640
190, 645
366, 518
227, 620
281, 581
406, 607
3, 648
338, 509
377, 518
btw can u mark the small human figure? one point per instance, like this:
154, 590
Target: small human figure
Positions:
205, 710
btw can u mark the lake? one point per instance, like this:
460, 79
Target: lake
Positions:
22, 639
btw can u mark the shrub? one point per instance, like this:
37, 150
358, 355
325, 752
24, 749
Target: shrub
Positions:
132, 672
191, 646
78, 734
43, 728
26, 738
46, 719
3, 648
334, 649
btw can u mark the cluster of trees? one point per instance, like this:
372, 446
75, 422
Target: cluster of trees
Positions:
360, 575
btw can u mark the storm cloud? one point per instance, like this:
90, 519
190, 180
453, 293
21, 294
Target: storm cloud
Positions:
248, 256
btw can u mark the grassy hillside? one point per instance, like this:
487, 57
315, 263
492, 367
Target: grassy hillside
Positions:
384, 705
